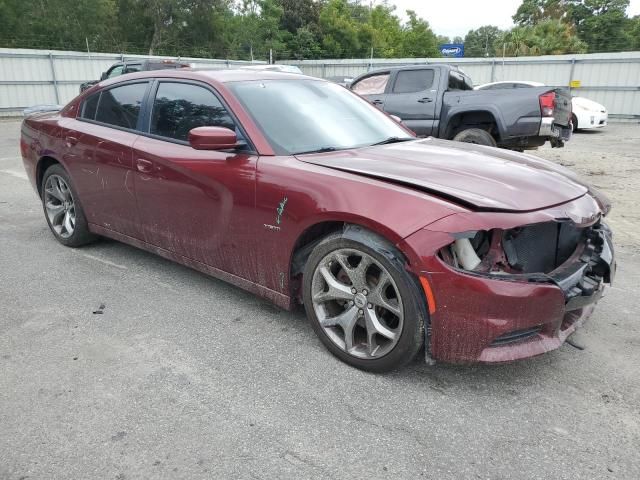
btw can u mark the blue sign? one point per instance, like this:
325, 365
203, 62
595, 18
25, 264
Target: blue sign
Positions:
452, 50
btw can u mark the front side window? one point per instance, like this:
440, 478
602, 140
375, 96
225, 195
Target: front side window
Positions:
180, 107
373, 85
302, 116
413, 81
120, 106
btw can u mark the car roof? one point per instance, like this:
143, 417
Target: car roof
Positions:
209, 74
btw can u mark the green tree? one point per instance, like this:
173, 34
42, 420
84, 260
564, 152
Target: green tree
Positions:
418, 38
554, 37
298, 14
57, 24
481, 42
601, 24
633, 32
339, 30
531, 12
548, 37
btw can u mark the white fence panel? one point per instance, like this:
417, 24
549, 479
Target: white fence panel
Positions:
32, 77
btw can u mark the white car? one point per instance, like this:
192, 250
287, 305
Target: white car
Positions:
586, 113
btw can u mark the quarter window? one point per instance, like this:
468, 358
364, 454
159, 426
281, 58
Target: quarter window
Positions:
181, 107
373, 85
412, 81
90, 106
120, 106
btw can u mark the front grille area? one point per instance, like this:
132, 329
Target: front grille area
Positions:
542, 247
516, 336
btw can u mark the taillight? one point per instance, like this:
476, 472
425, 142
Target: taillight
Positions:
547, 101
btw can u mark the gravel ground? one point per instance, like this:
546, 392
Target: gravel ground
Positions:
184, 376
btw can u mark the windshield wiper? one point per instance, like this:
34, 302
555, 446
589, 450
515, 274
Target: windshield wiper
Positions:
319, 150
386, 141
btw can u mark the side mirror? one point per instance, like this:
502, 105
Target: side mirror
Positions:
396, 118
212, 138
103, 76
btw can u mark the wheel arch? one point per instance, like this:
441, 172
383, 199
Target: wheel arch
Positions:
478, 118
43, 164
317, 231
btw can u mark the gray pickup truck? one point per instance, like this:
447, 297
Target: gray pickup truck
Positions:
439, 101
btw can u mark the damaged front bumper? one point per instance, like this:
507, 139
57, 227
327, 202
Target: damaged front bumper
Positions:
499, 317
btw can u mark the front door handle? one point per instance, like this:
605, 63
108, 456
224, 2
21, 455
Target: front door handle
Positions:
144, 166
425, 100
70, 141
377, 102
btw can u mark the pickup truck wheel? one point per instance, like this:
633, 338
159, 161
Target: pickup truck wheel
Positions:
475, 135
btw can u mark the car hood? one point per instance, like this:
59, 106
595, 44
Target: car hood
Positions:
588, 104
478, 177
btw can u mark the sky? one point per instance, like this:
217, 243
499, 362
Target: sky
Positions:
457, 17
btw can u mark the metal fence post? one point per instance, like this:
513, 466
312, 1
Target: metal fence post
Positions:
53, 76
493, 70
573, 67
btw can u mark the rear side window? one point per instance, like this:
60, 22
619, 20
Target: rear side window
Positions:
180, 107
458, 81
133, 67
90, 106
115, 71
120, 106
412, 81
373, 85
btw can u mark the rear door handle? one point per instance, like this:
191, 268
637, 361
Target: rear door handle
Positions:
70, 141
377, 102
144, 166
425, 100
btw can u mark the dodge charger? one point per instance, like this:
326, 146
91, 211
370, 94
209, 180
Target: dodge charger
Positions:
303, 193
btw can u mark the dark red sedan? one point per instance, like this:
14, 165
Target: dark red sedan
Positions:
302, 192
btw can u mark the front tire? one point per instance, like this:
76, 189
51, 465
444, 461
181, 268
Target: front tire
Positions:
477, 136
363, 304
62, 209
574, 122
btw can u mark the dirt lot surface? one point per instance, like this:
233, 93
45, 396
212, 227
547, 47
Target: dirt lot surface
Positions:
610, 160
184, 376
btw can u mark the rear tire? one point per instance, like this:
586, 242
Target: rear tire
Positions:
378, 328
62, 209
477, 136
574, 122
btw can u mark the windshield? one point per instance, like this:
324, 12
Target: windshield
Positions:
303, 116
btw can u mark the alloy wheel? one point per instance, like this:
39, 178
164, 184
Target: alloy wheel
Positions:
357, 303
59, 206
